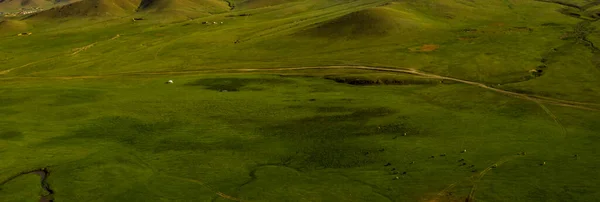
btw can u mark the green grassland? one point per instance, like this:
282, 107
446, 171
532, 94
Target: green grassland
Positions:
85, 97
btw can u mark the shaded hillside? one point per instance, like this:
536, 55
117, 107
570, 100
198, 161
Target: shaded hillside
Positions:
91, 8
184, 7
250, 4
12, 26
371, 22
13, 5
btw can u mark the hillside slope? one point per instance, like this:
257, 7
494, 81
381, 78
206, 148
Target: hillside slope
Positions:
371, 22
12, 26
13, 5
251, 4
91, 8
184, 7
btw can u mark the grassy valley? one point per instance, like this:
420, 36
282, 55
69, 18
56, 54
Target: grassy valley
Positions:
301, 100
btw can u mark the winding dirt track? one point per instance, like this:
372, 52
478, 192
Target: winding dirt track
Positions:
479, 176
474, 180
536, 98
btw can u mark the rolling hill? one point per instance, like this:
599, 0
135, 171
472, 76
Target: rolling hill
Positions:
172, 9
90, 8
14, 5
371, 22
12, 25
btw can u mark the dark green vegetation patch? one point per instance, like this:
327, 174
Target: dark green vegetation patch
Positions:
7, 101
236, 84
8, 112
77, 96
337, 127
375, 79
330, 141
10, 135
121, 129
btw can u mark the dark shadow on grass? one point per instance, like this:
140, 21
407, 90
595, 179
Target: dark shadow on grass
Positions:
330, 109
329, 126
76, 96
125, 130
330, 141
183, 144
235, 84
6, 102
10, 135
8, 112
335, 154
147, 136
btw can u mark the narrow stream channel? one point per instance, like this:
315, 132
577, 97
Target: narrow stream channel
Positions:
47, 193
43, 173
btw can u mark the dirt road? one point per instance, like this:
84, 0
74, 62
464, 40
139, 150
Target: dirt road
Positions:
540, 99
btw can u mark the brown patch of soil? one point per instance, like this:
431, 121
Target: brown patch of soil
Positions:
425, 48
429, 47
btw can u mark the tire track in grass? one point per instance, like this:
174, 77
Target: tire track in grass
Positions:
78, 50
374, 188
482, 174
554, 117
220, 194
75, 51
26, 65
474, 179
